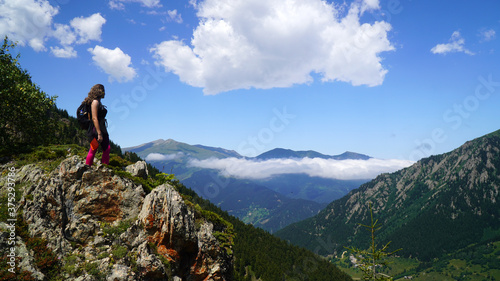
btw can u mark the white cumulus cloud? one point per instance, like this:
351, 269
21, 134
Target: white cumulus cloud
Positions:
456, 44
370, 5
31, 22
315, 167
27, 21
274, 43
81, 30
115, 63
65, 52
64, 34
89, 28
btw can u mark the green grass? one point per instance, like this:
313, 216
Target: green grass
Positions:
476, 262
255, 214
116, 231
49, 157
119, 252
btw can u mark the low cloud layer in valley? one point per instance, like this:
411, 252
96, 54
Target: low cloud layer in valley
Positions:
315, 167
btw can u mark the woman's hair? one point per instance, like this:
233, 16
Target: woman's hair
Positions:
96, 92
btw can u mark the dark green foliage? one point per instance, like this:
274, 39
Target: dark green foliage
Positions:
131, 156
119, 252
265, 256
116, 149
71, 266
92, 268
118, 162
115, 231
270, 258
25, 111
48, 157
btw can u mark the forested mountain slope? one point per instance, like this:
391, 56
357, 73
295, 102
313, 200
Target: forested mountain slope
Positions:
438, 205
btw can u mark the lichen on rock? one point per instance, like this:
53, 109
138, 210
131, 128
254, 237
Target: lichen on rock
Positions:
103, 226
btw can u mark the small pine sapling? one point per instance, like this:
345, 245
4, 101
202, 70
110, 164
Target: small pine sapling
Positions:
368, 261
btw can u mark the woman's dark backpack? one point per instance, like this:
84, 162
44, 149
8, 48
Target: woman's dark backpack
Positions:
83, 116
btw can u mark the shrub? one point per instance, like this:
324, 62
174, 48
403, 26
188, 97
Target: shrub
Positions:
119, 252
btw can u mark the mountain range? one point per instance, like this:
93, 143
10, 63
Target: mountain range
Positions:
432, 210
270, 203
288, 153
440, 208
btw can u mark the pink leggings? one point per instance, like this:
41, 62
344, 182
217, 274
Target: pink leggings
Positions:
105, 156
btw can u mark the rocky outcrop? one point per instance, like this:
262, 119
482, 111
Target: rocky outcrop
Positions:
139, 169
102, 226
182, 237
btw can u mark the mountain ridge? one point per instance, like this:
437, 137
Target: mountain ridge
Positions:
173, 157
438, 205
230, 153
171, 146
279, 153
276, 153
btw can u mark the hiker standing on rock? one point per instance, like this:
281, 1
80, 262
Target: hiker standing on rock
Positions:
97, 132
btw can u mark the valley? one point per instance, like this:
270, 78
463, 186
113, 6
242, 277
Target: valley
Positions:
269, 203
442, 211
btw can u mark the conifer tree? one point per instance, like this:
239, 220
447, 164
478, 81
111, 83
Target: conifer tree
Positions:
371, 261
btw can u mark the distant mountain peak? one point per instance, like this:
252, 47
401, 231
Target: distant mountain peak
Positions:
283, 153
171, 146
351, 155
230, 153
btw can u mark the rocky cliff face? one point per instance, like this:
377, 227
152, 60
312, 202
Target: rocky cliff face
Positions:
101, 226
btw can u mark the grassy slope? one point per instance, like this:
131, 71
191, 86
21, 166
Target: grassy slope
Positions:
475, 262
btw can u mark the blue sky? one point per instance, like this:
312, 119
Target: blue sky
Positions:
393, 79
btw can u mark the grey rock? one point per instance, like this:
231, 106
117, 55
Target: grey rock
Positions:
100, 224
139, 169
119, 273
